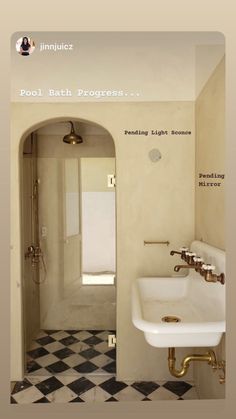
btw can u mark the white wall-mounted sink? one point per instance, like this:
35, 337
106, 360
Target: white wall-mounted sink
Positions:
198, 304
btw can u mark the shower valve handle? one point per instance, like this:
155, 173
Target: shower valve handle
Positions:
30, 251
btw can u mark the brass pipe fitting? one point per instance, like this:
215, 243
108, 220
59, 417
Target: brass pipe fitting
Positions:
208, 357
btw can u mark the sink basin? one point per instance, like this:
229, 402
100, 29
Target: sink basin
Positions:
181, 311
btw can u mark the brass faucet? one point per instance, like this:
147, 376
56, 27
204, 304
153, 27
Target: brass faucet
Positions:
182, 252
209, 276
195, 263
205, 270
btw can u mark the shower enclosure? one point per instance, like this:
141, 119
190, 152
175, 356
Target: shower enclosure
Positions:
69, 243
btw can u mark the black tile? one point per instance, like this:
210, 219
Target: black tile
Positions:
76, 400
177, 387
69, 340
112, 386
180, 398
21, 385
145, 387
93, 340
50, 332
13, 401
111, 368
112, 399
71, 332
63, 353
45, 340
111, 353
85, 367
49, 385
32, 366
57, 367
95, 332
89, 353
81, 385
36, 353
42, 400
146, 399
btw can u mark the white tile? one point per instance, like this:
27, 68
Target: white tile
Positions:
88, 396
101, 372
54, 346
103, 335
46, 360
79, 347
67, 379
35, 379
60, 335
129, 394
40, 334
40, 372
70, 371
102, 347
162, 393
190, 394
62, 395
29, 395
101, 395
74, 360
83, 335
101, 360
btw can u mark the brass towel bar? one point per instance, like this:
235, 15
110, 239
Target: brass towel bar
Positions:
152, 242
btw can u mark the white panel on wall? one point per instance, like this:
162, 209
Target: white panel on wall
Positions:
72, 213
98, 231
71, 197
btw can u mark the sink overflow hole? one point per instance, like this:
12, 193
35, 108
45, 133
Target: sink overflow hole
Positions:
170, 319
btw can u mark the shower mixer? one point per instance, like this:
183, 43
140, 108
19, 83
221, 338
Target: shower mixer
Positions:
35, 253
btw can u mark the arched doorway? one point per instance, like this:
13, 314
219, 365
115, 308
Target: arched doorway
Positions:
68, 234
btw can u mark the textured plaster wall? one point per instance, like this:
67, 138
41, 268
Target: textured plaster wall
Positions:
155, 201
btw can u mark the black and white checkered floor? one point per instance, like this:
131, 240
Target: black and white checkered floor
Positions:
78, 366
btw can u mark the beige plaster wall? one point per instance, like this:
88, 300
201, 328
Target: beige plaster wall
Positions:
210, 201
210, 158
155, 201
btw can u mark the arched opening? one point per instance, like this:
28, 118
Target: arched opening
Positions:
68, 248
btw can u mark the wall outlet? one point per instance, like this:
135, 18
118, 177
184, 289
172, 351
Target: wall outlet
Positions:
111, 341
111, 181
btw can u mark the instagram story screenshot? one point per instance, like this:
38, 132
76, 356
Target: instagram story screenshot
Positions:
117, 217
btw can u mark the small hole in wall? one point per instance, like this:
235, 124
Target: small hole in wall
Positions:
154, 155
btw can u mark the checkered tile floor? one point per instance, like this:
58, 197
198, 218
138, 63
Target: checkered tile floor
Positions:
77, 366
71, 352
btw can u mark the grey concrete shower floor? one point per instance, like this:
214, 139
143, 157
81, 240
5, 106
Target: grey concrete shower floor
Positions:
78, 366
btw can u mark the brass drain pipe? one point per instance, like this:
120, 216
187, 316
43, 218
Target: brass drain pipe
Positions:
208, 356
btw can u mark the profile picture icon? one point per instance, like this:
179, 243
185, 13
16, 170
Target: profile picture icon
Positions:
25, 46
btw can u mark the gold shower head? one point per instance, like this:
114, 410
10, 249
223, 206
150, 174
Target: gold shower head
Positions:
72, 137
